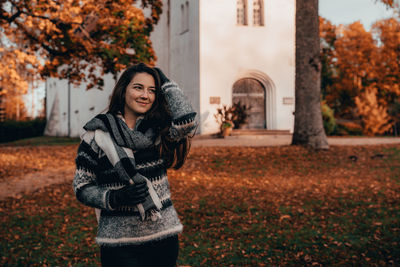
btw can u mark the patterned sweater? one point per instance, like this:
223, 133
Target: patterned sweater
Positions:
95, 177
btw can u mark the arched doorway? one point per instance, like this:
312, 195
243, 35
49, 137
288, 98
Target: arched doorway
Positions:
251, 92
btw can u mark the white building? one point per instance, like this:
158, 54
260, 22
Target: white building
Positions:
219, 52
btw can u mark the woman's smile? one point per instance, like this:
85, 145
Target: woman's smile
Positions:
143, 103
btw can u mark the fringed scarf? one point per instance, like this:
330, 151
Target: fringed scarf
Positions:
119, 142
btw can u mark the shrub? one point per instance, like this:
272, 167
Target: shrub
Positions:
11, 130
328, 119
374, 114
349, 128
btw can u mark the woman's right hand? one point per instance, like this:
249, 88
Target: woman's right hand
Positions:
129, 195
163, 78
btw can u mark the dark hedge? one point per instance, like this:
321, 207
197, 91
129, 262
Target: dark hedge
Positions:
13, 130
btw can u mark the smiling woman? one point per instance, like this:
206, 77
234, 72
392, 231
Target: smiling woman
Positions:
139, 97
121, 168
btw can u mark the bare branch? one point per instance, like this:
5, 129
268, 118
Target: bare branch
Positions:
10, 19
36, 40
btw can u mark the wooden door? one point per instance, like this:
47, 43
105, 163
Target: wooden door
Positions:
251, 93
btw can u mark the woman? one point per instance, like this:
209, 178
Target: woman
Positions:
121, 168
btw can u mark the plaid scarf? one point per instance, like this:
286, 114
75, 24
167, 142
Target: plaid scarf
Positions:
119, 142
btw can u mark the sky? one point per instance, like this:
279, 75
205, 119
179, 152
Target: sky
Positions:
349, 11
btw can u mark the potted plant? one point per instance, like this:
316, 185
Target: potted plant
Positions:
226, 128
224, 118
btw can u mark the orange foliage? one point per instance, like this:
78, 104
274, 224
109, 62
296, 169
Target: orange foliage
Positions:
357, 61
374, 115
19, 69
389, 3
356, 54
71, 37
389, 54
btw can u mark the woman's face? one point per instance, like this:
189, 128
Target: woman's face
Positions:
140, 94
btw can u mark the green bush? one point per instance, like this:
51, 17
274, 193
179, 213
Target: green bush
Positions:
328, 119
13, 130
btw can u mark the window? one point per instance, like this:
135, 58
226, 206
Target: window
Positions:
185, 17
241, 12
258, 13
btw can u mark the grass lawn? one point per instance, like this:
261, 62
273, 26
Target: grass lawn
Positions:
43, 140
240, 207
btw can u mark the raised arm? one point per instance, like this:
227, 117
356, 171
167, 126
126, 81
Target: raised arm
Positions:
183, 114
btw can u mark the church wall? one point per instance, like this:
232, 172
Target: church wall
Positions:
160, 39
94, 102
184, 45
56, 107
227, 50
84, 105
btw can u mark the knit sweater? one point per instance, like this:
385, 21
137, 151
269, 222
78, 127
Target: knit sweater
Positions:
95, 177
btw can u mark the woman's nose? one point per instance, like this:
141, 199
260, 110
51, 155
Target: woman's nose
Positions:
145, 94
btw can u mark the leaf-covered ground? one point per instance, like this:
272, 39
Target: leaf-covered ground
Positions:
239, 206
16, 161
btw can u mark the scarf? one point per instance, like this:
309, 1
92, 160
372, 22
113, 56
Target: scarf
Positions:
118, 142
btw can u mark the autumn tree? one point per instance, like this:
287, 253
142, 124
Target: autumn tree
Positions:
308, 126
356, 55
328, 36
19, 70
361, 73
394, 4
75, 40
388, 67
374, 114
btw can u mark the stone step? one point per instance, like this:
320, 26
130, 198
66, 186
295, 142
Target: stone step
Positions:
239, 132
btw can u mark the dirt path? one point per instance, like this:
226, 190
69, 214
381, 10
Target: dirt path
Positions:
31, 182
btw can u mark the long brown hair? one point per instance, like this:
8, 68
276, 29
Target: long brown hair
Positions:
159, 116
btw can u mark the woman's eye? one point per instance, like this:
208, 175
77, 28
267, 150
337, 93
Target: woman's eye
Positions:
153, 91
136, 87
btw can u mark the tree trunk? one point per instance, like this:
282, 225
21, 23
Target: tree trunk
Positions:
308, 126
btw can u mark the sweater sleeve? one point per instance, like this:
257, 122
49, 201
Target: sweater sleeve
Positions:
84, 184
183, 115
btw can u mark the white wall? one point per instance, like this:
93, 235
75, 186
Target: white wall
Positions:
177, 47
184, 54
84, 105
226, 50
160, 40
57, 107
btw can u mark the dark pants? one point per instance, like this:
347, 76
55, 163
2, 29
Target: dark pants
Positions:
163, 253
